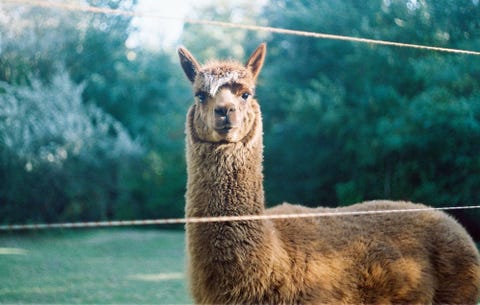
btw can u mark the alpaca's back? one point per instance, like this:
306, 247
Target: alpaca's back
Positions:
407, 257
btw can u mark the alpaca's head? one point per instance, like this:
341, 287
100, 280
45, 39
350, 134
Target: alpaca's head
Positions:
225, 108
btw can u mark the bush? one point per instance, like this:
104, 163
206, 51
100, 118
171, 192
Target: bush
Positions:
61, 159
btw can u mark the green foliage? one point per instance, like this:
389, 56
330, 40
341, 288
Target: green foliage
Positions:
50, 139
374, 122
343, 121
106, 144
208, 42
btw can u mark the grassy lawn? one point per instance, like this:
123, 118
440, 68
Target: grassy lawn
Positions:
121, 266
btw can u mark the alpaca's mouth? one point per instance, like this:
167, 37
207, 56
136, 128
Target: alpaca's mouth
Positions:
224, 129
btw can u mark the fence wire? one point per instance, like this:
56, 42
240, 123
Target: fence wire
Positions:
168, 221
249, 27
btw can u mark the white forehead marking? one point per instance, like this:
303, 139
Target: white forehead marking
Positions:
214, 82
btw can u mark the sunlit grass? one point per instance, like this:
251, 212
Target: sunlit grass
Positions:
93, 266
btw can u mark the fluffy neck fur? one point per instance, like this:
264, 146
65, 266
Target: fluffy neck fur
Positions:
225, 179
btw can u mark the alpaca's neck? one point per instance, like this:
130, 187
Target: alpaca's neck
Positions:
225, 179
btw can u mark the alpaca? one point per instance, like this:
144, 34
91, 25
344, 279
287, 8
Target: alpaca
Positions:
400, 258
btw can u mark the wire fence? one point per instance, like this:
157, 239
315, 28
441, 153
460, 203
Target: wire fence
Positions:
333, 212
249, 27
168, 221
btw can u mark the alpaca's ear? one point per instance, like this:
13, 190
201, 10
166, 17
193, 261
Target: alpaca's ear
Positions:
189, 64
255, 62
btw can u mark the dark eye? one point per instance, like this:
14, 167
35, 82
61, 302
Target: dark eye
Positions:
245, 95
202, 96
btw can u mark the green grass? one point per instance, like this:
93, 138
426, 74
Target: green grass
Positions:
120, 266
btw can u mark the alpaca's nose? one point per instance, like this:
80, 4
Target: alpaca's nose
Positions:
225, 110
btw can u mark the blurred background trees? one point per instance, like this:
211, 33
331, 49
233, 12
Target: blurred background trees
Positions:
92, 128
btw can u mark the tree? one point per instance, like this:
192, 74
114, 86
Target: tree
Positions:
68, 155
365, 121
208, 41
138, 90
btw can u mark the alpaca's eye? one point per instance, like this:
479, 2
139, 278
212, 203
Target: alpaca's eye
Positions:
202, 96
245, 96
